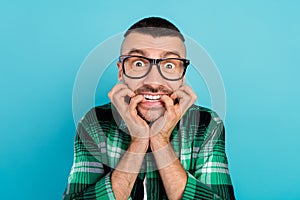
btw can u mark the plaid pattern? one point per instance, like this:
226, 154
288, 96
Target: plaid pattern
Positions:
102, 138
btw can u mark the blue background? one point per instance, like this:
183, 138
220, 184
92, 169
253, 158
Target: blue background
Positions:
255, 45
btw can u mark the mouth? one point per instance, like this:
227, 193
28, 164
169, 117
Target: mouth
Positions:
153, 95
153, 98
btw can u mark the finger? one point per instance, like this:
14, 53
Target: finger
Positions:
174, 96
123, 93
120, 99
117, 88
169, 103
134, 102
186, 97
120, 91
185, 92
189, 91
184, 100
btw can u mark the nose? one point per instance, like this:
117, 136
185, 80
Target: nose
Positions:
154, 77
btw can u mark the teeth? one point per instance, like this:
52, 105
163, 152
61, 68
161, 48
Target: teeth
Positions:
152, 97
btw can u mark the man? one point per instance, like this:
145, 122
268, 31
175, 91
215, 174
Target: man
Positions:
151, 141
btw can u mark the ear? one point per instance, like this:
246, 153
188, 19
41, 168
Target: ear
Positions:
120, 71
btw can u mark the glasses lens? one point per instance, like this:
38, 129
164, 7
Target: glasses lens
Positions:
136, 66
172, 68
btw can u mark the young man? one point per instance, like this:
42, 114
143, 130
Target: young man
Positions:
151, 141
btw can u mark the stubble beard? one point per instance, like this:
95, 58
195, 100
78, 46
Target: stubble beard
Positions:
150, 115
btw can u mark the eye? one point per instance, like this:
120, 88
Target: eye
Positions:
138, 63
169, 65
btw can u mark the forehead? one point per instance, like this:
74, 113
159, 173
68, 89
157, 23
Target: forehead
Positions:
153, 44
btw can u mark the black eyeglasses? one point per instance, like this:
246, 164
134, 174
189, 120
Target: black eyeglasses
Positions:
137, 67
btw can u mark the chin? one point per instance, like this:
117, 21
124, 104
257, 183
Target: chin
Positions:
150, 115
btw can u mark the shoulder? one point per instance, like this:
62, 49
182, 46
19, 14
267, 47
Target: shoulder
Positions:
203, 110
205, 121
97, 114
202, 115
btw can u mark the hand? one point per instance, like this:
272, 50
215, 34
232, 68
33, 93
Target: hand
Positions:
138, 128
162, 128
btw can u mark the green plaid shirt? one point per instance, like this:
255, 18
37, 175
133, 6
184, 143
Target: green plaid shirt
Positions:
102, 138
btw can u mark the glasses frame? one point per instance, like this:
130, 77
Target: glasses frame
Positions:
152, 62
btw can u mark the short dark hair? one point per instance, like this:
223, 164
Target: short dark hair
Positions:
156, 27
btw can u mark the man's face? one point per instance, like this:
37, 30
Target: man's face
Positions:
152, 86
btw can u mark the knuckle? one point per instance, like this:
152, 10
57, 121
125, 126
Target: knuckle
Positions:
134, 99
114, 97
194, 96
110, 94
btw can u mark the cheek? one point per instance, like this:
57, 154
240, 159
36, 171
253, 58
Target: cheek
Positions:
174, 85
133, 84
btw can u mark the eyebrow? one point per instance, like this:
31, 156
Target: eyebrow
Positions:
143, 53
137, 51
171, 53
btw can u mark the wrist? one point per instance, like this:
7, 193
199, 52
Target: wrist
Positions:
158, 142
138, 146
164, 156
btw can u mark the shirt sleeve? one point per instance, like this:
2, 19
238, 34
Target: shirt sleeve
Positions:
210, 178
89, 178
